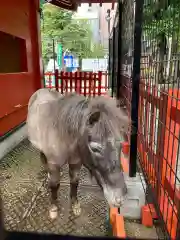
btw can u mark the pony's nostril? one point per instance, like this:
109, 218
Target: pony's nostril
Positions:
118, 200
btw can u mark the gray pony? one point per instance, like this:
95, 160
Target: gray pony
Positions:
79, 131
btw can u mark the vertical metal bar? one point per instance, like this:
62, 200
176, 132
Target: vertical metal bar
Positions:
109, 63
119, 49
86, 76
62, 82
113, 63
66, 81
109, 20
135, 87
50, 80
99, 82
57, 80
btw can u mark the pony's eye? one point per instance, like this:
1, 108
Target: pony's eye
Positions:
96, 147
97, 150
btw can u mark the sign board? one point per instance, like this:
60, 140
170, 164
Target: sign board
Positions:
50, 66
95, 65
41, 3
70, 61
59, 54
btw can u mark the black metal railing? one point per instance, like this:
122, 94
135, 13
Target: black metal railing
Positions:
146, 80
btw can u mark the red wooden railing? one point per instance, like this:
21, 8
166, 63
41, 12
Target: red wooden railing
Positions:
158, 142
85, 83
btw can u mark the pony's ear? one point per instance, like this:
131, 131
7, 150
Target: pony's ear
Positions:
94, 117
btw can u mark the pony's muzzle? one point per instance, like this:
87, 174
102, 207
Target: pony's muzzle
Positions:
115, 197
119, 201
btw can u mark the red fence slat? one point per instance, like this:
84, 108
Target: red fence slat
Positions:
85, 83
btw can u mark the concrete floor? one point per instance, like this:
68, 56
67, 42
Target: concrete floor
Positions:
26, 200
137, 230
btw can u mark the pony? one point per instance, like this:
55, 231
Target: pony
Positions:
75, 130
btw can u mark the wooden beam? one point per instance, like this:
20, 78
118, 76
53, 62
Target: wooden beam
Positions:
66, 4
95, 1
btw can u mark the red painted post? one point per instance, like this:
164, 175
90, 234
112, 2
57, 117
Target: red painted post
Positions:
80, 82
50, 80
75, 80
78, 79
62, 82
67, 75
94, 84
90, 82
71, 80
86, 76
99, 83
57, 80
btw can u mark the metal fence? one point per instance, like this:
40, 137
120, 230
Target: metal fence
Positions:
148, 86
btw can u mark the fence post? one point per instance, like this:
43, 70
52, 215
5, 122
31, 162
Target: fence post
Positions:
113, 63
57, 80
62, 82
119, 51
99, 83
135, 87
109, 62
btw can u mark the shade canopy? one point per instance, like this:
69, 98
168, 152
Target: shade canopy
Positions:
73, 4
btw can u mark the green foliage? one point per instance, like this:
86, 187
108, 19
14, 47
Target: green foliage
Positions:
161, 16
160, 24
74, 35
98, 51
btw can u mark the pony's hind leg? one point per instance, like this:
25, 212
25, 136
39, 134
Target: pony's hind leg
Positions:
54, 183
74, 172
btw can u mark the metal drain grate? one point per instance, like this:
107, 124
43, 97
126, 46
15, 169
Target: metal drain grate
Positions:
26, 200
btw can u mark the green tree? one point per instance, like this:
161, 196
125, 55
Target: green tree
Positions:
161, 23
76, 36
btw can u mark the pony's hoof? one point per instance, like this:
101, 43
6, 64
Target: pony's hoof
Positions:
76, 209
53, 212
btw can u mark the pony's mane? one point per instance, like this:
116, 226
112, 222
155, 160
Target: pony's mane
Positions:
70, 113
112, 119
75, 113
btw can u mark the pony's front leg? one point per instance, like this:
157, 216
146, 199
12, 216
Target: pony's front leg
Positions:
54, 183
44, 161
74, 172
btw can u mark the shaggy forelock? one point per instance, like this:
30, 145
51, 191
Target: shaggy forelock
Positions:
113, 122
